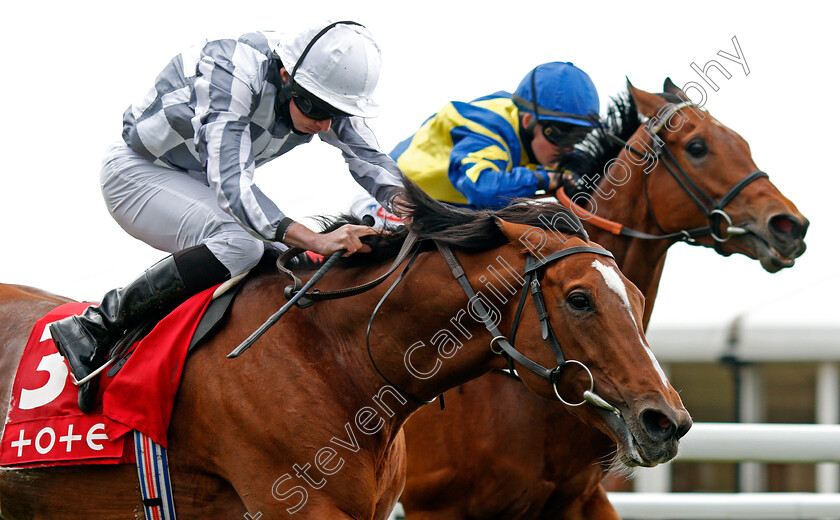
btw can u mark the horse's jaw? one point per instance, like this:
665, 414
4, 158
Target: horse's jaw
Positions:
631, 449
759, 244
775, 236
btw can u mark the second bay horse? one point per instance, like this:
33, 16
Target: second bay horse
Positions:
497, 451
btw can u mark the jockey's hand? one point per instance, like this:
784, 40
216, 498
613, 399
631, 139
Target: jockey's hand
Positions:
554, 179
557, 180
346, 237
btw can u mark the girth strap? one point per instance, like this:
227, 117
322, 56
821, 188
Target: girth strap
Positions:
153, 474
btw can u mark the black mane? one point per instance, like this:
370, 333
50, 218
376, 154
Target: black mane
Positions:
460, 228
623, 119
598, 148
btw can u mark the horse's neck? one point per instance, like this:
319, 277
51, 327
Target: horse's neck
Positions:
419, 329
640, 260
421, 321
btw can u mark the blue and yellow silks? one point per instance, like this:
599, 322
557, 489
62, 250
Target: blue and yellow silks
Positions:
470, 154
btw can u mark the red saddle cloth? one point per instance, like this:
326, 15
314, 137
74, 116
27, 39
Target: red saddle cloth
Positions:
45, 427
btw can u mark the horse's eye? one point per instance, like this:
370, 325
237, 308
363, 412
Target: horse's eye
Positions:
697, 148
579, 301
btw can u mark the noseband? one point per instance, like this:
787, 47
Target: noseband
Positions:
552, 375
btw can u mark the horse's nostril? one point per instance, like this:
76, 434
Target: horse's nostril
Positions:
683, 429
658, 425
786, 226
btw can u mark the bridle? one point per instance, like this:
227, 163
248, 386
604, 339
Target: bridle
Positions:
532, 286
712, 209
530, 276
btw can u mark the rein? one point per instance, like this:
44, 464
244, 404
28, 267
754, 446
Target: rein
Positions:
316, 296
299, 293
713, 210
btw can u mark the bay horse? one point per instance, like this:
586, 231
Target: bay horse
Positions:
499, 452
308, 421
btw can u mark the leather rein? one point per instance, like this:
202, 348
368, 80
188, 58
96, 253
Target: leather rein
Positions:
712, 209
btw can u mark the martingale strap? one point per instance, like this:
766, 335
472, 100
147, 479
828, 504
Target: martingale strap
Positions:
411, 396
153, 473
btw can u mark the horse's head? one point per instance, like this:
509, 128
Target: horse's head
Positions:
611, 378
714, 182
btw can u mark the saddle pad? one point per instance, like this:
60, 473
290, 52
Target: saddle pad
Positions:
44, 425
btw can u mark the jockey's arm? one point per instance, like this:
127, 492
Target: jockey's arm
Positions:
481, 169
371, 168
224, 102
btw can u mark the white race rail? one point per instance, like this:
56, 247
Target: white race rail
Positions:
709, 506
727, 442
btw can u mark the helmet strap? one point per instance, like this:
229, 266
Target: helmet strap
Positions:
534, 94
284, 96
531, 104
282, 107
526, 135
532, 125
315, 39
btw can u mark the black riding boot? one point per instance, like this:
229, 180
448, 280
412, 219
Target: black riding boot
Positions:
86, 340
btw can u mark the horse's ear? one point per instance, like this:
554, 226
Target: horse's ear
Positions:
525, 238
508, 229
648, 104
670, 88
513, 232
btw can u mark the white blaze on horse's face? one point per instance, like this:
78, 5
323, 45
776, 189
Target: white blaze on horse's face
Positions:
615, 283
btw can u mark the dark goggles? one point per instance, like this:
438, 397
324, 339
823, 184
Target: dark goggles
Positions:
563, 134
313, 108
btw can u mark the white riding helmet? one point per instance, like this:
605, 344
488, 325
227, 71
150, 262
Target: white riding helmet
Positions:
340, 67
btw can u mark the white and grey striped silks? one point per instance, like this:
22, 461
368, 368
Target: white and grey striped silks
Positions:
212, 114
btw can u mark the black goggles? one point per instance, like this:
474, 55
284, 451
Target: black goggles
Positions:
563, 134
313, 108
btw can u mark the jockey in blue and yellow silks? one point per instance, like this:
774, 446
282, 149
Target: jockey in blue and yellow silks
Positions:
486, 152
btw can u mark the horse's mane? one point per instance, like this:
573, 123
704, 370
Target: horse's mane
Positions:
622, 120
460, 228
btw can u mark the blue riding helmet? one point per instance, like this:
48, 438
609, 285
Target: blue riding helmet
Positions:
564, 93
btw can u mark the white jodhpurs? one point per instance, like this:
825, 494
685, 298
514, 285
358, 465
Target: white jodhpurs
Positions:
172, 210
